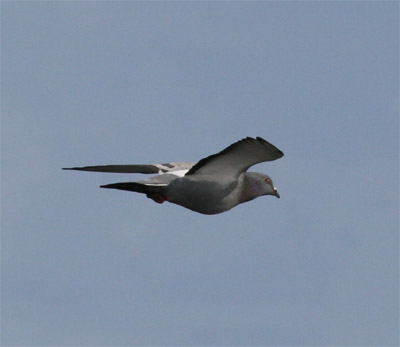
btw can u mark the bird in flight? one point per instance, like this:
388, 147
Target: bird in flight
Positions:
213, 185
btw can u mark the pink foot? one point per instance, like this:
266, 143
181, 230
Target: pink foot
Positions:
159, 199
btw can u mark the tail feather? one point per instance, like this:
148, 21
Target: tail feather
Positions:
135, 187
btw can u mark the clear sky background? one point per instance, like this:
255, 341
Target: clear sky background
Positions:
86, 83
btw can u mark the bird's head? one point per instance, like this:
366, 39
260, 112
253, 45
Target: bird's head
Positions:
269, 188
260, 184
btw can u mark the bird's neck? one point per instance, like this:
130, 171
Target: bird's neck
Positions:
250, 188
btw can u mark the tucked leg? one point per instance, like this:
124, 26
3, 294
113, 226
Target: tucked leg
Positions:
158, 198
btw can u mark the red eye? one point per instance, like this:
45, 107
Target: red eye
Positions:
268, 180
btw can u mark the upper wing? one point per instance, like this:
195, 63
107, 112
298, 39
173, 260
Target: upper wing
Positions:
175, 168
237, 158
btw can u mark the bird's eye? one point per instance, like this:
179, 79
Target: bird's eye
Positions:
268, 180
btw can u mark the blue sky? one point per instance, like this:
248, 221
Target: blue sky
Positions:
87, 83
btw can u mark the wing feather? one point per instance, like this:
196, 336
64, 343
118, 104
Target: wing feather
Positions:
237, 158
137, 168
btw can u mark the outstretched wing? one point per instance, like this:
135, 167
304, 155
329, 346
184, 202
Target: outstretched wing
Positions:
237, 158
178, 169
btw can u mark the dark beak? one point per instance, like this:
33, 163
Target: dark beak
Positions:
276, 193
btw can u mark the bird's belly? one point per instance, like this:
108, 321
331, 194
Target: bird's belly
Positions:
203, 196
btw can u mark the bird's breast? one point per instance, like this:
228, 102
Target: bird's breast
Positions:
202, 195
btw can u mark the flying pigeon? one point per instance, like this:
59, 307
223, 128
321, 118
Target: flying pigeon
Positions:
213, 185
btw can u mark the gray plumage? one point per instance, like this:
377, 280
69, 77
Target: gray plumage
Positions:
213, 185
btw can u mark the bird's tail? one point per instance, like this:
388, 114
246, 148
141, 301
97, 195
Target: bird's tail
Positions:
155, 192
136, 187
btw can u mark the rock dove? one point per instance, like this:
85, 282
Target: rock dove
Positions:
213, 185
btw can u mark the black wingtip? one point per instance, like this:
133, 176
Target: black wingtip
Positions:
279, 153
72, 168
111, 185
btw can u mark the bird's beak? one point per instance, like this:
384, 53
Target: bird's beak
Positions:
276, 193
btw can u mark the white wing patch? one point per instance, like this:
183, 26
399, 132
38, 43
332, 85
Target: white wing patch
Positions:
177, 169
180, 173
